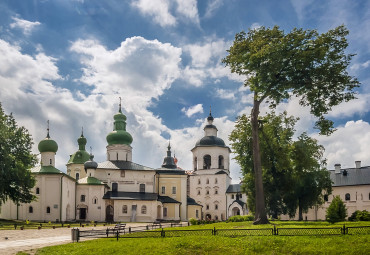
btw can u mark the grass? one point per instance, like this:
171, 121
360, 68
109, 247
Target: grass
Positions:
9, 224
343, 244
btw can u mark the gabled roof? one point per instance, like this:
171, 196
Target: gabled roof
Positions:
354, 176
191, 201
234, 188
241, 203
46, 170
166, 199
90, 181
123, 165
122, 195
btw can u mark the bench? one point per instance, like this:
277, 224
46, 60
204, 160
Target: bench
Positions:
119, 227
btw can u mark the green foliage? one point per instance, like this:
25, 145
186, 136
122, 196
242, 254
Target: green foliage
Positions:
360, 216
193, 221
336, 211
293, 173
16, 159
240, 218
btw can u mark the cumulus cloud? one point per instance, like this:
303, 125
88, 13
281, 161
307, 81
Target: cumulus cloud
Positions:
225, 94
166, 13
212, 7
193, 110
25, 25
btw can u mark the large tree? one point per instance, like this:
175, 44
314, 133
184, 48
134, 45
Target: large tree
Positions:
279, 65
293, 172
16, 159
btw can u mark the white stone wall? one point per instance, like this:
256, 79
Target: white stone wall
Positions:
94, 211
230, 198
149, 216
119, 152
214, 152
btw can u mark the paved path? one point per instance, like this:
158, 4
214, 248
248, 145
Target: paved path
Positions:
13, 241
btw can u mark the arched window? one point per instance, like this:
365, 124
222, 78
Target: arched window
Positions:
207, 192
48, 209
207, 162
37, 190
216, 191
198, 191
124, 209
347, 197
207, 207
82, 198
143, 209
30, 209
220, 162
95, 200
216, 207
77, 176
232, 196
195, 163
164, 212
326, 198
216, 217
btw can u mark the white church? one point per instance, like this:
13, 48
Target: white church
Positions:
123, 191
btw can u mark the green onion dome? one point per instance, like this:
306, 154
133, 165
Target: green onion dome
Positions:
119, 135
48, 145
80, 156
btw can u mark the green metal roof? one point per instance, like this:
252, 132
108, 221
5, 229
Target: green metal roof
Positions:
79, 157
90, 181
46, 170
48, 145
119, 135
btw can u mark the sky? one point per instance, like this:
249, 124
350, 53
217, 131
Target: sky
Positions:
69, 61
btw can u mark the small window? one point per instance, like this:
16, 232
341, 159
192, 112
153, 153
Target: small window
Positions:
77, 176
173, 190
216, 207
197, 213
207, 182
82, 198
198, 191
114, 187
347, 197
199, 183
232, 196
326, 198
207, 192
30, 209
240, 195
143, 209
164, 212
37, 190
216, 192
95, 201
163, 190
48, 209
142, 188
207, 207
51, 161
216, 217
207, 162
124, 209
220, 162
369, 196
122, 173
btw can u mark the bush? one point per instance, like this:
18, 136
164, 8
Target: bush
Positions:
193, 221
360, 216
337, 211
239, 218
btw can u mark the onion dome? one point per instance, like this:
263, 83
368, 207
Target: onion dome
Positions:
80, 156
90, 164
169, 161
119, 135
210, 137
48, 144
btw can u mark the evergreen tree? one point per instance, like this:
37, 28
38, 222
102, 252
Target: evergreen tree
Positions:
336, 211
16, 159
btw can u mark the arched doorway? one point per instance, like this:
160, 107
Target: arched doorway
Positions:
109, 213
159, 212
235, 211
208, 216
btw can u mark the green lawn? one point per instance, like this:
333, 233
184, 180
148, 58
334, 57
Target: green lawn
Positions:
9, 224
343, 244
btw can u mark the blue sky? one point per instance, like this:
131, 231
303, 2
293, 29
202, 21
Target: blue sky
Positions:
69, 61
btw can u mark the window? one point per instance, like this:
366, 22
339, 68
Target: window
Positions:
220, 162
216, 217
163, 190
143, 209
207, 162
48, 209
30, 209
195, 163
216, 181
173, 190
326, 198
347, 197
207, 192
142, 188
199, 183
122, 173
369, 196
95, 201
164, 212
232, 196
114, 187
77, 176
37, 190
82, 198
197, 213
198, 191
124, 209
207, 207
216, 192
240, 195
51, 161
216, 207
207, 182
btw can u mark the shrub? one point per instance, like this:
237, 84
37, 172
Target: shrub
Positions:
238, 218
337, 211
360, 216
193, 221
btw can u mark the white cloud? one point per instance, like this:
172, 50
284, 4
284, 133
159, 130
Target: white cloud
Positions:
225, 94
162, 11
212, 7
193, 110
25, 25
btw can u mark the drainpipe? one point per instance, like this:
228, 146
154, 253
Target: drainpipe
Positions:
61, 198
76, 200
17, 209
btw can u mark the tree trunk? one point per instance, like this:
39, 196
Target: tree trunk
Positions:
300, 212
260, 215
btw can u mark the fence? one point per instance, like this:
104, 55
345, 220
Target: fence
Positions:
147, 232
